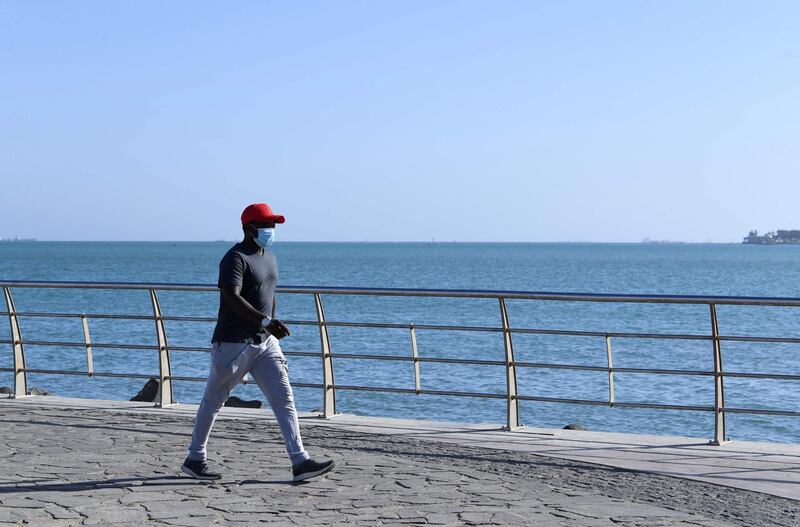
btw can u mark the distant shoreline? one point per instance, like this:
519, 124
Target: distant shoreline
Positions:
780, 237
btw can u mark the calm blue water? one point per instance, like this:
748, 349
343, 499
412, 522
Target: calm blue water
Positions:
602, 268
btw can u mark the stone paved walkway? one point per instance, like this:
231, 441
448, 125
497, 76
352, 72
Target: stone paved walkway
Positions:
64, 466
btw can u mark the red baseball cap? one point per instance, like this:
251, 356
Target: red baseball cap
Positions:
260, 212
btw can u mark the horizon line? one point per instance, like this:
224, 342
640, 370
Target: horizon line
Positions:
642, 242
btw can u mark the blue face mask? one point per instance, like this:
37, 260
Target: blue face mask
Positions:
265, 237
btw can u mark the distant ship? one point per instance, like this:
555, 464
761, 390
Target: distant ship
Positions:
648, 240
17, 239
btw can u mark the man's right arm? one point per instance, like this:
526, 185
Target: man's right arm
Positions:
232, 296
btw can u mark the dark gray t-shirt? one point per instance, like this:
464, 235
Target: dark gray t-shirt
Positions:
257, 274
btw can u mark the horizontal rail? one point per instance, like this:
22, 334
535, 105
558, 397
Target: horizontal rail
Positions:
450, 393
773, 376
773, 340
616, 334
616, 404
441, 360
93, 374
110, 345
542, 365
434, 327
390, 389
400, 358
757, 411
43, 314
453, 293
244, 381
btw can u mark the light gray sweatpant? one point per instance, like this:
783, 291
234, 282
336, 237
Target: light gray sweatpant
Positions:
230, 361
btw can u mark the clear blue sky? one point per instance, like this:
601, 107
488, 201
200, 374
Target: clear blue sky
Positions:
467, 121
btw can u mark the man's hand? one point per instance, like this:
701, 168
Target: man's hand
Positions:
277, 329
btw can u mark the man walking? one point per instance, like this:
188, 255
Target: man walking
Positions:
246, 340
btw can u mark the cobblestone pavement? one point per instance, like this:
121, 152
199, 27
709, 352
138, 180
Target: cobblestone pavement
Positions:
82, 467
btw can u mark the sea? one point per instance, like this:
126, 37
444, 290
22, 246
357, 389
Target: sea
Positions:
673, 269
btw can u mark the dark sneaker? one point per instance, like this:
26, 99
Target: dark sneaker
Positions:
309, 469
198, 469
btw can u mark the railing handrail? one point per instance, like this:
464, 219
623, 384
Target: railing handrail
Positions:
454, 293
329, 386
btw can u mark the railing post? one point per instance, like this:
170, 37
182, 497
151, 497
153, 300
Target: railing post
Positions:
512, 403
610, 356
417, 381
20, 377
88, 340
328, 390
719, 388
164, 397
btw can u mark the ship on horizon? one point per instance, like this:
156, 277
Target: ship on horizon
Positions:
648, 240
17, 239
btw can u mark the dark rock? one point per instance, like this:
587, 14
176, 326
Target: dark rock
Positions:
148, 392
32, 391
575, 426
239, 403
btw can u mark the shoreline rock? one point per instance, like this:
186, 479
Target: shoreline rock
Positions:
32, 391
148, 392
575, 426
241, 403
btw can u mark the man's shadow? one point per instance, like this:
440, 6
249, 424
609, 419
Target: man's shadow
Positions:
274, 482
38, 485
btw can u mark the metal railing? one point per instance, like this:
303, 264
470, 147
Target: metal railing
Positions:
328, 386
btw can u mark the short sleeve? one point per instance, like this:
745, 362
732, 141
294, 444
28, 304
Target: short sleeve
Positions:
231, 270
